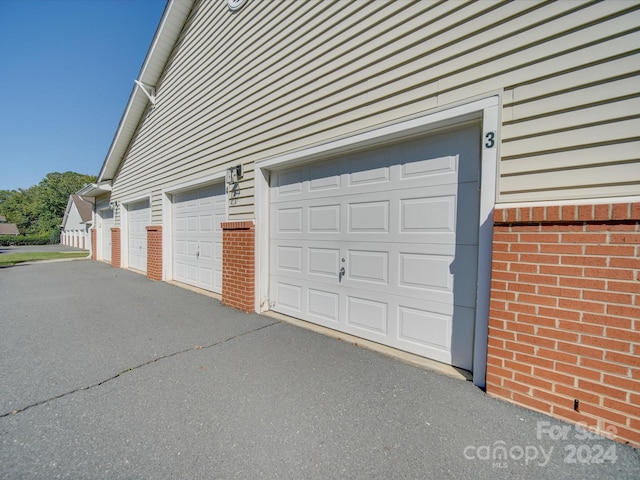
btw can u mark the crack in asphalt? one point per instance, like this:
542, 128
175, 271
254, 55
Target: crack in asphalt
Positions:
131, 369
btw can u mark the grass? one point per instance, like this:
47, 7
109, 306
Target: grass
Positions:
13, 258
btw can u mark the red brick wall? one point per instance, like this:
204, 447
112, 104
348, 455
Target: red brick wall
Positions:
115, 247
94, 244
154, 252
565, 313
238, 265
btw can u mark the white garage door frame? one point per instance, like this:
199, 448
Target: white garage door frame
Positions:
486, 110
167, 215
123, 206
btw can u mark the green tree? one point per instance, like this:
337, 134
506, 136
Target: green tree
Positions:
39, 209
18, 207
51, 199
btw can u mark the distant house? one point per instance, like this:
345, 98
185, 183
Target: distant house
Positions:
77, 221
8, 228
3, 219
456, 180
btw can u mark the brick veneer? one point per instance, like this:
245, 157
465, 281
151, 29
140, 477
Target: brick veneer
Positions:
564, 320
94, 244
154, 252
238, 265
115, 247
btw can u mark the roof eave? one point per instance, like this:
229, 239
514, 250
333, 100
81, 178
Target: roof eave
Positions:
95, 189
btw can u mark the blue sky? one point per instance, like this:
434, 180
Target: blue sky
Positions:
66, 72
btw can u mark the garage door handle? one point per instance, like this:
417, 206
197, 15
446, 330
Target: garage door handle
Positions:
341, 274
197, 253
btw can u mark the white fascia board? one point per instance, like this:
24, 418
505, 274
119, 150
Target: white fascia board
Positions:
94, 189
173, 19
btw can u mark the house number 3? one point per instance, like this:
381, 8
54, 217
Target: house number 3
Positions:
489, 139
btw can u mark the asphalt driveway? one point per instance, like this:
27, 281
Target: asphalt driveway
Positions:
105, 374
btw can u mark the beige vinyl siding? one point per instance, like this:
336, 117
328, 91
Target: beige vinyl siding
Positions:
279, 76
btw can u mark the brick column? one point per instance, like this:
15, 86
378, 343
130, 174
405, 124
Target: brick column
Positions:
564, 322
154, 252
94, 244
238, 265
115, 247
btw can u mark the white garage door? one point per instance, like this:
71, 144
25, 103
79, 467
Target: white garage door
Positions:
107, 223
197, 237
138, 215
383, 244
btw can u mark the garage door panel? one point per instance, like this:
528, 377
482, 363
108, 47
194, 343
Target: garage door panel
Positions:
287, 182
368, 174
465, 142
428, 214
206, 250
197, 217
425, 272
347, 218
288, 220
402, 220
368, 266
323, 305
367, 314
289, 296
289, 258
180, 248
324, 218
400, 293
192, 248
368, 217
191, 273
323, 261
429, 167
180, 271
324, 176
424, 328
206, 278
206, 222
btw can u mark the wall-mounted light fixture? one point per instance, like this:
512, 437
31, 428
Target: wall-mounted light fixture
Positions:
232, 178
113, 205
234, 174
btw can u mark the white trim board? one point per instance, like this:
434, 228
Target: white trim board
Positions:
488, 110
